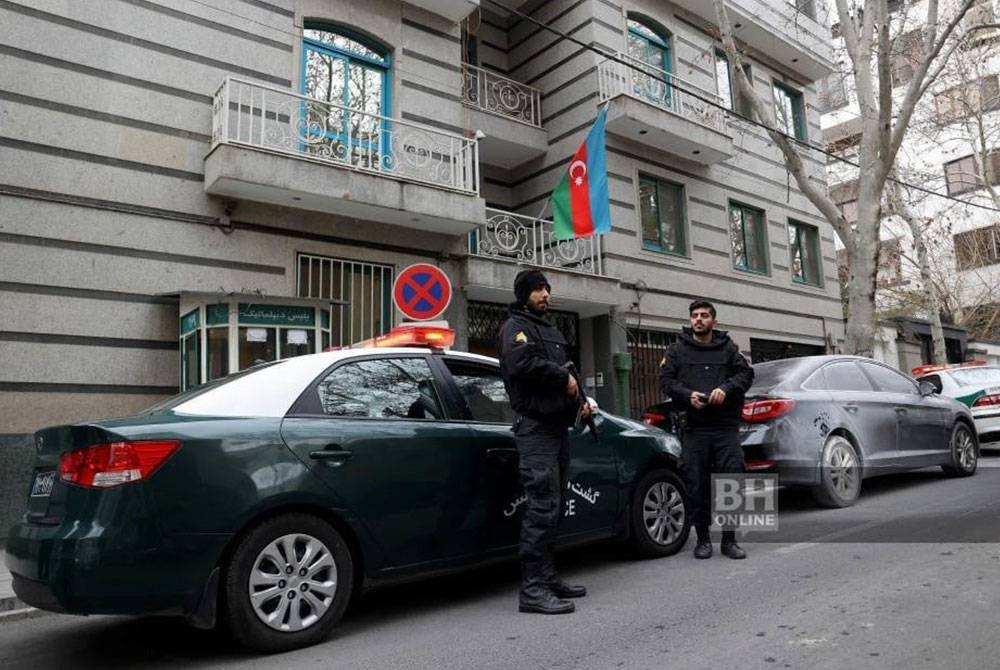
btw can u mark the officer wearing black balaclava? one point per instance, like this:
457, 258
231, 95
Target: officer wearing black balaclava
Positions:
545, 399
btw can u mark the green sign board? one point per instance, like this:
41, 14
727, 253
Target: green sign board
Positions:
277, 315
217, 315
191, 321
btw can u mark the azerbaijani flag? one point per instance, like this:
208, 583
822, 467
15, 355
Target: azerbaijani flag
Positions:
580, 205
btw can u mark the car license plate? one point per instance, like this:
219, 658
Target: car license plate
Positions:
42, 486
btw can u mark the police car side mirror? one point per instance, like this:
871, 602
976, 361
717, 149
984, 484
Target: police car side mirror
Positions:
927, 388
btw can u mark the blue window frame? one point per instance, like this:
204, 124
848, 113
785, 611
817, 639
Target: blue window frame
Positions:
352, 74
649, 44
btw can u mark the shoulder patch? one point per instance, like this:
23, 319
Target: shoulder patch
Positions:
520, 337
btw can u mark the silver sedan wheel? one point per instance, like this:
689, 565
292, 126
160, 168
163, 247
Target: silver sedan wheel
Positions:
964, 448
293, 582
841, 466
663, 512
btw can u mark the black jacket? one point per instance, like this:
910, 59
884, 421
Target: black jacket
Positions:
691, 366
532, 353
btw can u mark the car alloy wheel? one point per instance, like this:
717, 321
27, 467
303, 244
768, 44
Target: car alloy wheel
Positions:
287, 583
839, 474
964, 452
293, 582
659, 524
663, 512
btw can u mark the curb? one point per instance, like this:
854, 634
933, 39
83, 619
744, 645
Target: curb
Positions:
12, 609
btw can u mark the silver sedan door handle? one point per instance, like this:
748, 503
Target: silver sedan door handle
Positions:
851, 407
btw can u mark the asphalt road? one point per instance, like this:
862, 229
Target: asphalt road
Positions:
905, 579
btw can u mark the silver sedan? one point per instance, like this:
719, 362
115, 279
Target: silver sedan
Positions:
828, 422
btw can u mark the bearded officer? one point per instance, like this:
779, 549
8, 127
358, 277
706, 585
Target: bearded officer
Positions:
545, 399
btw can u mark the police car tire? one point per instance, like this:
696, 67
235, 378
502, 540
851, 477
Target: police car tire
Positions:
641, 543
243, 623
825, 493
955, 467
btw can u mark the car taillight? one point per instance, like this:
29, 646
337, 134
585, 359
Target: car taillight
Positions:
652, 419
987, 401
758, 411
104, 465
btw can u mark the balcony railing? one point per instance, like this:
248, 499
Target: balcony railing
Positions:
658, 87
499, 95
524, 239
280, 121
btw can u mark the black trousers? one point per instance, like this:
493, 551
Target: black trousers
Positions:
543, 464
706, 451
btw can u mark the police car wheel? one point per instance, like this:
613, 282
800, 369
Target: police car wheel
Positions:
659, 518
287, 584
839, 473
964, 452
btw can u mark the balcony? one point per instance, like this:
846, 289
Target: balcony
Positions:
574, 267
276, 146
658, 109
453, 10
791, 31
508, 112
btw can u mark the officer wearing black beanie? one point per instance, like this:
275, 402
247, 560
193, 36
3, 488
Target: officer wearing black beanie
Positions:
544, 396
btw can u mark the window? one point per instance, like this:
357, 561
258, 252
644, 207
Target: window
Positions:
905, 54
661, 208
887, 380
649, 44
789, 111
977, 248
361, 294
726, 85
845, 377
961, 176
190, 349
388, 388
933, 380
483, 391
347, 77
807, 7
748, 238
803, 241
257, 345
982, 95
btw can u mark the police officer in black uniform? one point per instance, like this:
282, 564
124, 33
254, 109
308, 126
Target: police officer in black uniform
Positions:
705, 374
545, 399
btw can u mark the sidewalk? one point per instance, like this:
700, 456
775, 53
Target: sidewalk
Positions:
10, 606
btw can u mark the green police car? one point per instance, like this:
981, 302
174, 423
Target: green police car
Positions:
265, 500
976, 385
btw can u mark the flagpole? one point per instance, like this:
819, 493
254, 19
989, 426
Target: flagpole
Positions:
539, 225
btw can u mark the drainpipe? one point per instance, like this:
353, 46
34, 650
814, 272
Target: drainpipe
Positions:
622, 364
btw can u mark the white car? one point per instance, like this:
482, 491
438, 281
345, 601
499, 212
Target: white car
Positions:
975, 385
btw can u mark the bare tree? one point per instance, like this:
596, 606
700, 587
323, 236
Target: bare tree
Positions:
865, 31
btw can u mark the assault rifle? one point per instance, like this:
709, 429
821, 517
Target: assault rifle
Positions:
581, 398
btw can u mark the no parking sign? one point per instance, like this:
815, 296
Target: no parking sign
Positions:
421, 292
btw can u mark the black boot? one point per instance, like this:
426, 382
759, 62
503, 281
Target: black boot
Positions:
560, 588
729, 547
536, 596
703, 548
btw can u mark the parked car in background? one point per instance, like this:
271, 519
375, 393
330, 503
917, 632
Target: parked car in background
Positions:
828, 422
266, 499
975, 385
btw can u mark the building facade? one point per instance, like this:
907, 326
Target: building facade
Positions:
192, 186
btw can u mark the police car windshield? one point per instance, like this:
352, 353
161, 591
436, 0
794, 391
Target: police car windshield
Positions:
976, 376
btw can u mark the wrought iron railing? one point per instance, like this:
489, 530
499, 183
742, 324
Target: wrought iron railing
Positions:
272, 119
517, 238
645, 82
499, 95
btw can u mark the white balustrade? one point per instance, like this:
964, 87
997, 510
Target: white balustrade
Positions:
525, 239
277, 120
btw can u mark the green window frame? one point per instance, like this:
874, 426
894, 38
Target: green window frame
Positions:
789, 111
725, 82
803, 245
662, 215
748, 238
